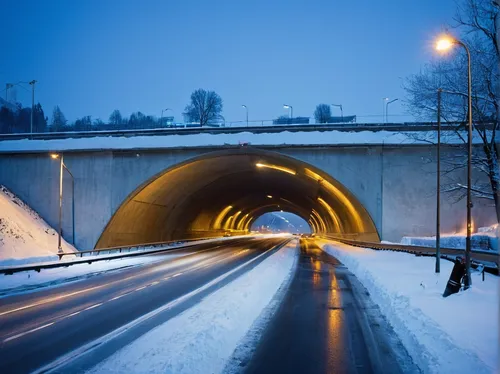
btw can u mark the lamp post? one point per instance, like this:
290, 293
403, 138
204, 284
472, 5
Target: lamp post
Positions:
444, 44
161, 118
246, 109
32, 84
61, 167
7, 87
341, 111
384, 101
387, 110
290, 113
438, 183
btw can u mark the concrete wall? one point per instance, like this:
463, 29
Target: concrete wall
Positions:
396, 186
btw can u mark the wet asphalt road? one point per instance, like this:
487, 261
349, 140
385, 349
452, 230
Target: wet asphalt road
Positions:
327, 323
36, 328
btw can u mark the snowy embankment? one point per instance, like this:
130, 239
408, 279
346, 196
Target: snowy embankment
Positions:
203, 338
23, 233
485, 239
207, 139
457, 334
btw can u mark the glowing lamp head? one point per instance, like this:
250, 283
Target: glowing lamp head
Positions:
54, 155
444, 44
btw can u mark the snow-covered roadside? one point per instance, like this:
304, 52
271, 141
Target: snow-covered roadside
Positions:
457, 334
202, 339
32, 280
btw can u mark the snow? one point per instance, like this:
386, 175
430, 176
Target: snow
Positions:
207, 139
457, 334
202, 338
485, 239
23, 233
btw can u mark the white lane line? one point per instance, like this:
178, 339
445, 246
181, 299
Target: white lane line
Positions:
176, 275
113, 334
119, 296
140, 288
27, 332
50, 300
92, 307
167, 278
154, 283
73, 314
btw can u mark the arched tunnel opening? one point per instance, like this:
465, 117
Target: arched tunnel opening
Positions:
224, 192
281, 221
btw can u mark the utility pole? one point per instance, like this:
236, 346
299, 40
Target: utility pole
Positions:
32, 83
7, 87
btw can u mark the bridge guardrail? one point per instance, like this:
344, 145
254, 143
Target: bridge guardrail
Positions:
489, 260
156, 248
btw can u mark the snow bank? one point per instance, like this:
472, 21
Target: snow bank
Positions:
202, 339
23, 233
207, 139
457, 334
485, 239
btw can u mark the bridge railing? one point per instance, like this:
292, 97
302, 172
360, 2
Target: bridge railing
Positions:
489, 259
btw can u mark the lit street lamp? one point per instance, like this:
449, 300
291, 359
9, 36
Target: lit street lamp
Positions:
387, 109
286, 106
445, 44
244, 106
62, 165
341, 110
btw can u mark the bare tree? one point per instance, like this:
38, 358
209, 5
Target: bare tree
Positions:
116, 118
477, 20
58, 120
205, 107
323, 113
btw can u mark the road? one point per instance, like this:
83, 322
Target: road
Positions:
326, 323
37, 328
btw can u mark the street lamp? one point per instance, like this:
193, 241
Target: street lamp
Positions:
161, 118
32, 84
286, 106
244, 106
341, 110
443, 44
384, 101
387, 109
62, 165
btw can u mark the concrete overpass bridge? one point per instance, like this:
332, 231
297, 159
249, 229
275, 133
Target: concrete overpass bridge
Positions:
158, 188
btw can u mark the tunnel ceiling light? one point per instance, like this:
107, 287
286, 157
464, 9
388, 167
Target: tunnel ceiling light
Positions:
276, 167
220, 216
331, 213
269, 196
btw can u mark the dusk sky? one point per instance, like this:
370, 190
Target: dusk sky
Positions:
90, 57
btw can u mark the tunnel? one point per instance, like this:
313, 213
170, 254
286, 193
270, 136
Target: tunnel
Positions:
224, 192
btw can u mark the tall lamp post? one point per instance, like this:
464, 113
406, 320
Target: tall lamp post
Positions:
63, 166
445, 44
290, 113
32, 84
341, 111
387, 110
384, 101
246, 109
161, 118
438, 183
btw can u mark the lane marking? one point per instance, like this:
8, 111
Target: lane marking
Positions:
140, 288
154, 283
176, 275
92, 307
113, 334
27, 332
73, 314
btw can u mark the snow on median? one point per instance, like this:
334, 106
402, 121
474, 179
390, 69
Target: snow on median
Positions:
202, 339
457, 334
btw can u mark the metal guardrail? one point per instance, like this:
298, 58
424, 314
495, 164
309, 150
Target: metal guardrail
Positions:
489, 260
156, 248
406, 126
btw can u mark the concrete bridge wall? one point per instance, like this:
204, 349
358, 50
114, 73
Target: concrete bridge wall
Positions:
396, 185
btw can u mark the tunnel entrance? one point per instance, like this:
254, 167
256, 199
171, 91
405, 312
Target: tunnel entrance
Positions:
225, 192
280, 222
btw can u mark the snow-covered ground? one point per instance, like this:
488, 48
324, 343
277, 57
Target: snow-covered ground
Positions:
485, 239
23, 233
206, 139
457, 334
202, 339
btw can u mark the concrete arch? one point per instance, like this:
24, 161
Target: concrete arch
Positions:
226, 191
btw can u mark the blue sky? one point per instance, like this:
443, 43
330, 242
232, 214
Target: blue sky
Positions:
91, 57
